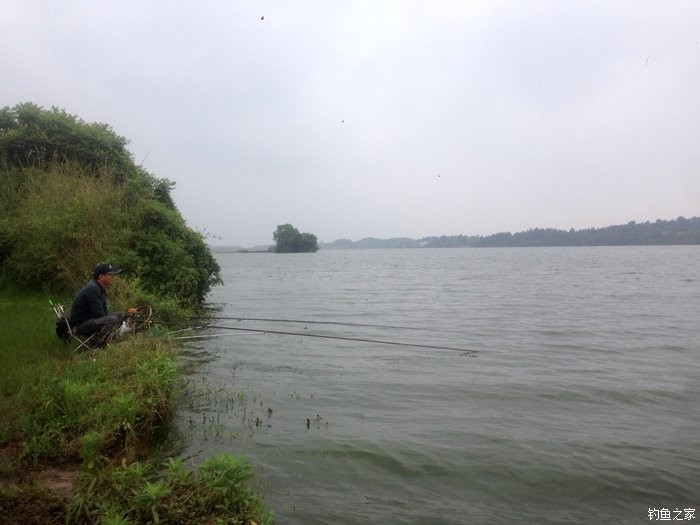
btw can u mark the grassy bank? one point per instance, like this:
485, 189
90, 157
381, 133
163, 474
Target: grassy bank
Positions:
95, 420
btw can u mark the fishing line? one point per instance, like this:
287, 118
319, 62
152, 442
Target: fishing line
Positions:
306, 321
343, 338
188, 329
208, 336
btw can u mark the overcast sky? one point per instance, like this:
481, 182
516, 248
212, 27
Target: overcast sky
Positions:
381, 118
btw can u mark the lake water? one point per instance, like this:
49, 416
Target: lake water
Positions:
570, 392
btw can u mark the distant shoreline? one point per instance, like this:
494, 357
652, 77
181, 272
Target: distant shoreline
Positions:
680, 231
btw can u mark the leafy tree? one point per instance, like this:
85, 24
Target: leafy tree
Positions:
33, 137
288, 240
308, 243
286, 237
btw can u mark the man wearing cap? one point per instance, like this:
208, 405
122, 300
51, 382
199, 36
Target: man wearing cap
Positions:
88, 314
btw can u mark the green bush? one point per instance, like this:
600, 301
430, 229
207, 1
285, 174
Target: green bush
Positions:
71, 196
32, 136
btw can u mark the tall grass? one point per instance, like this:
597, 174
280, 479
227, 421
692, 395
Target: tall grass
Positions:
57, 221
55, 399
64, 217
28, 343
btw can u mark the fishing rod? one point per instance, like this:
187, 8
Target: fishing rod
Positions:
306, 321
463, 351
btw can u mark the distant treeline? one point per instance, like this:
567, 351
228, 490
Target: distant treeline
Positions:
678, 231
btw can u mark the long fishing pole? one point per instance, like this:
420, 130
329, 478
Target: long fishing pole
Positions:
307, 321
337, 337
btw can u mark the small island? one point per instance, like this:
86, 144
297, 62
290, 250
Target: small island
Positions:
289, 240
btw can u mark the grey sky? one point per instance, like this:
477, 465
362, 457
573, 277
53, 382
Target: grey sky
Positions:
376, 118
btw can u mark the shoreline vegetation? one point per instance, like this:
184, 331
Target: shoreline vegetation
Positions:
85, 437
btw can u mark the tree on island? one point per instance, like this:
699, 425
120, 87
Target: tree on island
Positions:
288, 240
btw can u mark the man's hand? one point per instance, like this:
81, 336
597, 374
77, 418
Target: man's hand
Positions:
131, 311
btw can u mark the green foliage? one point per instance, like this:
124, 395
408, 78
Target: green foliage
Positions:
176, 469
128, 291
33, 137
173, 260
150, 501
224, 472
29, 349
218, 492
63, 220
95, 408
289, 240
71, 196
90, 449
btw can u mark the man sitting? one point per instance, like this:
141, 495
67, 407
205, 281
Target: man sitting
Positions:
88, 314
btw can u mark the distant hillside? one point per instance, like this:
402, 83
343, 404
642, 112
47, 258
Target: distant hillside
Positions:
369, 242
677, 231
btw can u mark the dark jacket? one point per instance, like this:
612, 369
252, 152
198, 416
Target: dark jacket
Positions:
89, 303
